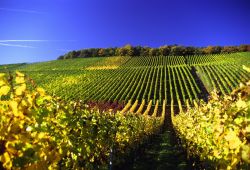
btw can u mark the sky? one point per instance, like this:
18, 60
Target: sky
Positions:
42, 30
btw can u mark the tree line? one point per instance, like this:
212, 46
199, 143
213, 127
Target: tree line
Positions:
167, 50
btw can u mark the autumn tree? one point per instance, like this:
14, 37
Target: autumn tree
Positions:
154, 52
212, 50
177, 50
137, 50
174, 50
164, 50
229, 49
208, 50
101, 52
189, 51
242, 48
145, 51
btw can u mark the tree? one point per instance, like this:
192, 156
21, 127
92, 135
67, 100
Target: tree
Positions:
164, 50
229, 49
189, 51
120, 52
242, 48
217, 49
60, 57
177, 50
110, 51
137, 50
208, 50
154, 52
198, 51
129, 51
212, 50
145, 51
84, 54
101, 52
72, 54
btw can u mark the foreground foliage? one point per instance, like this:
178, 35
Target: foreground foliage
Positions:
219, 131
38, 131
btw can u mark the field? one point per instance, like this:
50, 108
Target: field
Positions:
137, 79
155, 87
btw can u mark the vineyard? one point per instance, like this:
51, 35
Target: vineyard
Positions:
137, 79
126, 100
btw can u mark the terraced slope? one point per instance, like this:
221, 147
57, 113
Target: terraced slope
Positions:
176, 79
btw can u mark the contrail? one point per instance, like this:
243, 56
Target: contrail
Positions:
9, 43
37, 40
21, 10
16, 45
24, 40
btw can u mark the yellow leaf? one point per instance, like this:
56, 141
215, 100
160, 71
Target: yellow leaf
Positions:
20, 89
29, 99
4, 90
233, 140
241, 104
246, 68
2, 82
92, 159
41, 91
245, 154
2, 75
217, 154
48, 98
20, 80
13, 105
41, 135
18, 74
10, 148
24, 103
234, 162
6, 160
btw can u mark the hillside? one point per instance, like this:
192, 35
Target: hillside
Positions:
143, 93
140, 78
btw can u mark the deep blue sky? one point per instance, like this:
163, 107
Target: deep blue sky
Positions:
57, 26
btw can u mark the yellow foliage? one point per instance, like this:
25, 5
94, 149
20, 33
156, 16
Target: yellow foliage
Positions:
41, 91
2, 75
37, 131
102, 68
17, 121
20, 80
2, 82
246, 68
233, 140
13, 105
18, 74
4, 90
20, 89
7, 160
217, 130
